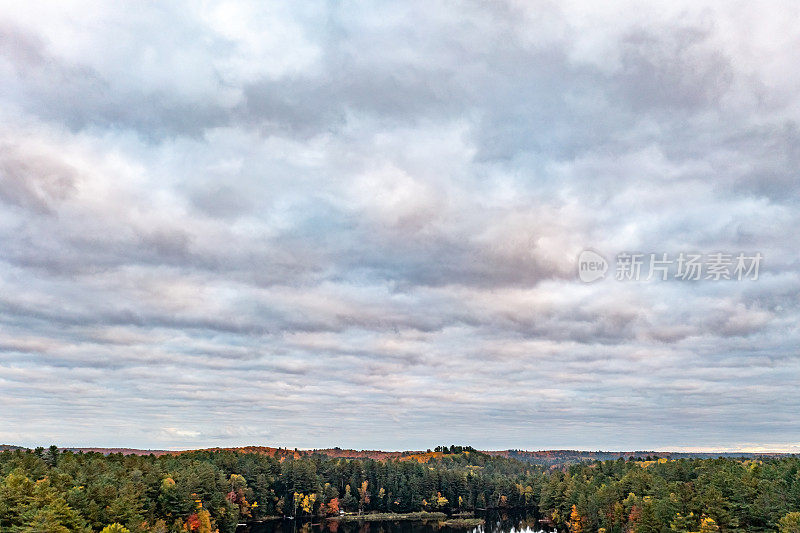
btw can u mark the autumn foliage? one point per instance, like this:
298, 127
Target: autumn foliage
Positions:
208, 491
575, 521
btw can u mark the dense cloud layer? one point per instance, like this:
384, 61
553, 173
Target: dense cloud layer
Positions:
357, 225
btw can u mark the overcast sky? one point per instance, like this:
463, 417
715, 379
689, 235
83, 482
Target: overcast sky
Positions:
356, 224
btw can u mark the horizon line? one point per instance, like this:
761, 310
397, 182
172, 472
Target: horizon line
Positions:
752, 449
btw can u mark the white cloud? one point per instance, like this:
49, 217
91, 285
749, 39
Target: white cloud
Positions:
357, 226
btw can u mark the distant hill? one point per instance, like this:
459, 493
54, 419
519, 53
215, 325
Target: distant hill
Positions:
548, 458
280, 453
10, 447
378, 455
123, 451
561, 457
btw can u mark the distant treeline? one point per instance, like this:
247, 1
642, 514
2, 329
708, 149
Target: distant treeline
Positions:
204, 491
567, 457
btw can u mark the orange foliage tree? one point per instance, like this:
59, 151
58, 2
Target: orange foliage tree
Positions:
333, 506
575, 521
362, 491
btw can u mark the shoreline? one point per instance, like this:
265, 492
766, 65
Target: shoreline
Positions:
390, 517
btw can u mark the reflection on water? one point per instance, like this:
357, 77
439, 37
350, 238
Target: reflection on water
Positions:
496, 522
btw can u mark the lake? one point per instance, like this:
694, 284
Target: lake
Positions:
496, 522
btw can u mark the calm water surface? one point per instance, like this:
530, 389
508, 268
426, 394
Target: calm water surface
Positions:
496, 522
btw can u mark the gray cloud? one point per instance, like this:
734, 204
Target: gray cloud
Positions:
358, 226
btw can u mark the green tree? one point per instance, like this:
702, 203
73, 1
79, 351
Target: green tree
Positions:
52, 456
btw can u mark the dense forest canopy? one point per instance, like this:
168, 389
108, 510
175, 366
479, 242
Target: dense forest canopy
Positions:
204, 491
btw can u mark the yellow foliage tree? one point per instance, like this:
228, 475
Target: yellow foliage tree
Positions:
115, 528
205, 521
441, 501
790, 523
307, 504
525, 491
708, 525
237, 482
575, 521
362, 491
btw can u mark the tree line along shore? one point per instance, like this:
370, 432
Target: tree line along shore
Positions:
214, 490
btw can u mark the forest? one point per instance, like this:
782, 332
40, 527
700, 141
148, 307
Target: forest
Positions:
53, 491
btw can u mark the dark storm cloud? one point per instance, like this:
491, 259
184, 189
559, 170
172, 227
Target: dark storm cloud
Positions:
223, 218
